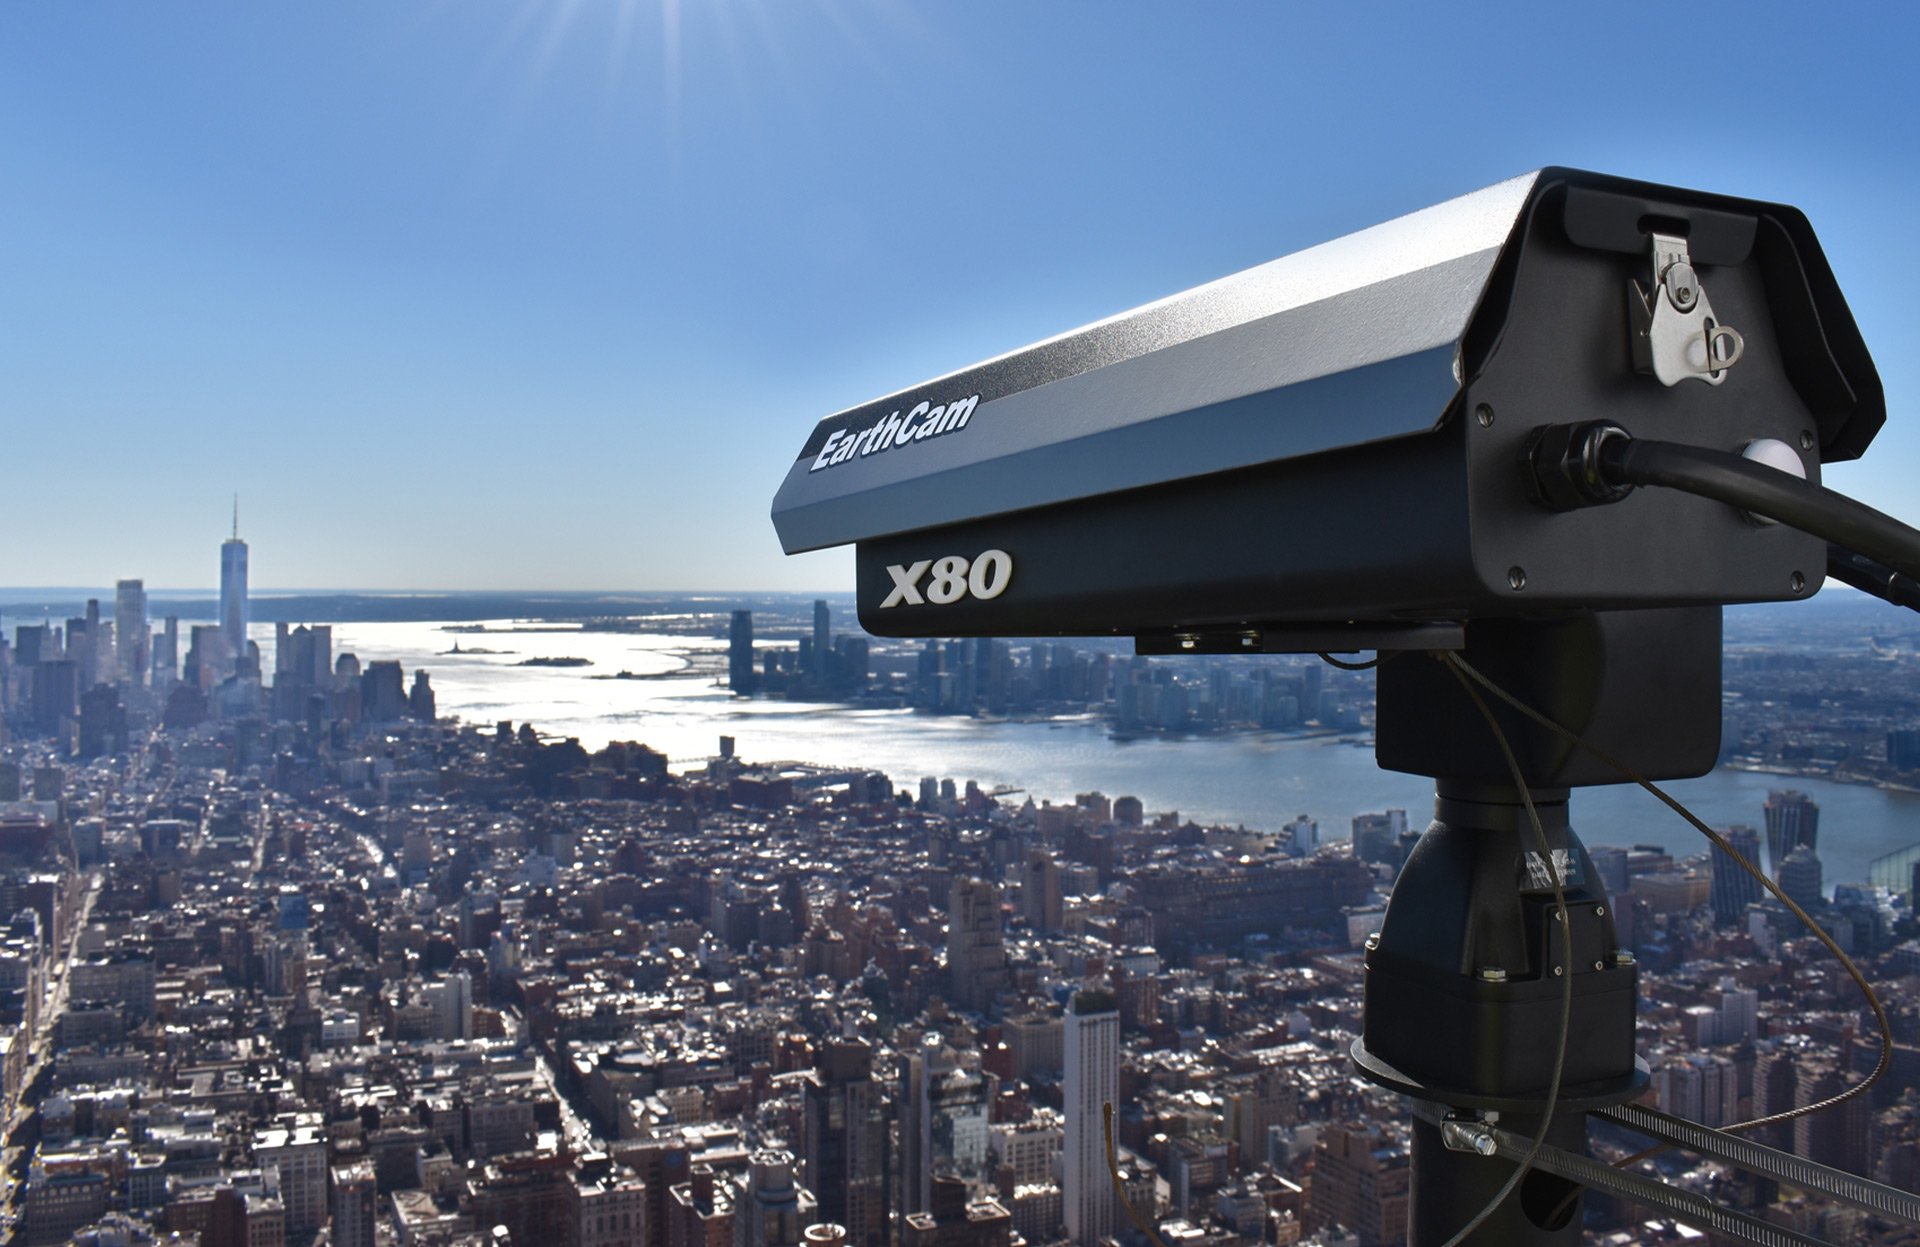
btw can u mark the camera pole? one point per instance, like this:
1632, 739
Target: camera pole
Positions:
1464, 993
1468, 976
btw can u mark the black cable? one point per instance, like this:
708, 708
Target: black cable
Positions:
1378, 659
1870, 577
1755, 487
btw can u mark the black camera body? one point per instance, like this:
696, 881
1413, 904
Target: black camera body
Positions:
1341, 438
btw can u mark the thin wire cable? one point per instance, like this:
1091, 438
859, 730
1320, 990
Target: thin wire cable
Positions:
1119, 1188
1566, 977
1720, 842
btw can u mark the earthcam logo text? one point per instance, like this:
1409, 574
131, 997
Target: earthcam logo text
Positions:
924, 421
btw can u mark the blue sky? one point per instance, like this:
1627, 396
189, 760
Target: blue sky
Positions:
477, 294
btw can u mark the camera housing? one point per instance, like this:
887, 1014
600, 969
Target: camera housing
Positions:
1340, 439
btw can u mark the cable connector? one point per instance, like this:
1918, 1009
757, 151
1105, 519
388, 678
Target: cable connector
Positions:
1563, 463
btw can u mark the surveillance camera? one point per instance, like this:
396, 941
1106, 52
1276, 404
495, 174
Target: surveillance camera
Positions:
1362, 435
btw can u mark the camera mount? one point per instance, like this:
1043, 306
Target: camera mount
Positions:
1414, 439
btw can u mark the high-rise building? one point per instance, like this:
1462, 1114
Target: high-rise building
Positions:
1800, 876
770, 1209
1376, 837
208, 660
31, 642
1361, 1175
300, 1155
55, 694
303, 655
451, 1000
740, 674
822, 638
700, 1211
1738, 1019
530, 1194
235, 612
83, 648
944, 1103
609, 1205
1733, 889
1775, 1080
1092, 1082
976, 953
1040, 902
1700, 1087
102, 722
420, 701
356, 1204
383, 692
848, 1162
955, 1220
1793, 819
166, 654
130, 630
1835, 1136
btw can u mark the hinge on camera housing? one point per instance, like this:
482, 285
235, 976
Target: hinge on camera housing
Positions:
1675, 335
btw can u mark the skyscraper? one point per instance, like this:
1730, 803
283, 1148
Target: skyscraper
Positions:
944, 1109
166, 659
1800, 876
356, 1204
235, 614
976, 954
383, 692
1793, 819
822, 638
1040, 902
770, 1209
1733, 889
1092, 1082
740, 675
130, 634
848, 1162
421, 700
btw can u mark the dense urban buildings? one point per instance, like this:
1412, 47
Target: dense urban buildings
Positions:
287, 959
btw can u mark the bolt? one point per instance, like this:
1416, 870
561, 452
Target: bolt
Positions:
1463, 1136
1797, 582
1806, 439
1683, 295
1484, 414
1599, 911
1599, 965
1517, 578
1558, 971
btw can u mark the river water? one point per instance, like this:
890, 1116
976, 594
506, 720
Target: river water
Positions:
1260, 780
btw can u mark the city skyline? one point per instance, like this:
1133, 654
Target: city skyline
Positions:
446, 289
491, 982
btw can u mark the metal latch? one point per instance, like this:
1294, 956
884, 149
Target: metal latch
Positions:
1675, 335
